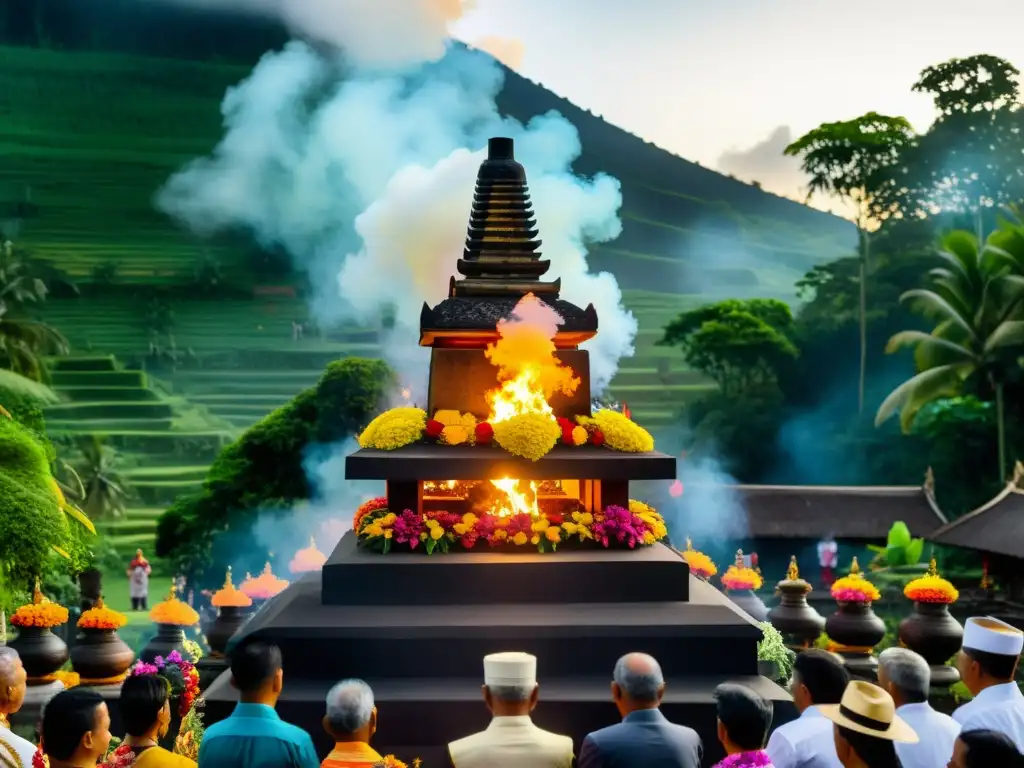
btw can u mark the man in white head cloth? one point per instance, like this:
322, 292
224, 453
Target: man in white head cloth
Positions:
511, 740
987, 663
14, 750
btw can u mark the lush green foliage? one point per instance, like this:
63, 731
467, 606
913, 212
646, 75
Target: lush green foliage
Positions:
264, 470
900, 548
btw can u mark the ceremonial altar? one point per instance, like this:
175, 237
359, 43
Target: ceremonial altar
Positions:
507, 526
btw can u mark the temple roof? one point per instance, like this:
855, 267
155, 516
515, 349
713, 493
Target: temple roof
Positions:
458, 313
845, 512
994, 527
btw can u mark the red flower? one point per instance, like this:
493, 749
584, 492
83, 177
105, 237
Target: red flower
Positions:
484, 433
567, 434
555, 518
433, 429
564, 422
597, 437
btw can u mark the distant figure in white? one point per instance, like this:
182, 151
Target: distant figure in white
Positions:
297, 331
828, 557
138, 581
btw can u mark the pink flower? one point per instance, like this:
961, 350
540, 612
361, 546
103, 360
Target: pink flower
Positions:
408, 527
142, 668
621, 525
851, 596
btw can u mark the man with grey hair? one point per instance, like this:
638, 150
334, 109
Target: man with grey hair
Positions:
351, 720
14, 750
907, 678
645, 736
511, 740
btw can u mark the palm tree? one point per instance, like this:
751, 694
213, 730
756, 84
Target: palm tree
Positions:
975, 301
104, 490
24, 341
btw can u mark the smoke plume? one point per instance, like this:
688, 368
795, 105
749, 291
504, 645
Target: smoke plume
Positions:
366, 178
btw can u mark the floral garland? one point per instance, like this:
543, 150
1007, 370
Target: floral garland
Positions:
439, 531
931, 588
854, 588
701, 566
181, 676
190, 735
530, 435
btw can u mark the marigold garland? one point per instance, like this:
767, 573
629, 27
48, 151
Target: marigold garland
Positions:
530, 435
931, 588
101, 617
393, 429
701, 566
619, 432
433, 531
854, 588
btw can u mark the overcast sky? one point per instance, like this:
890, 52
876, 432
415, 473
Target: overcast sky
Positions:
728, 83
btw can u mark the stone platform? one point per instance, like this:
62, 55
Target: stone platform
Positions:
416, 628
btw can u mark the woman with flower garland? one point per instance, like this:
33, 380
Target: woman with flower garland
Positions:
146, 711
744, 718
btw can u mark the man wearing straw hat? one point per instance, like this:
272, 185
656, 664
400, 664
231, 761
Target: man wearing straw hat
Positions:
987, 663
866, 727
511, 740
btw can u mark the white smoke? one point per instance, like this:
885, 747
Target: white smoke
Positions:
367, 179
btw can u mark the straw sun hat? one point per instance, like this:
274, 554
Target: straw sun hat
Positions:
868, 709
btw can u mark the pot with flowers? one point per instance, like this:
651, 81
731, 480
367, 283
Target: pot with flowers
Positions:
740, 581
100, 656
701, 566
855, 629
171, 617
930, 630
793, 617
774, 659
232, 612
42, 652
182, 680
263, 587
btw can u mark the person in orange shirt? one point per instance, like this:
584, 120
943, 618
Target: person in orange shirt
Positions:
351, 720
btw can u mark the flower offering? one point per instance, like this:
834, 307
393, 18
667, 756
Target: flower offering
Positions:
854, 588
179, 673
931, 588
101, 617
174, 611
40, 612
739, 576
701, 566
264, 586
229, 596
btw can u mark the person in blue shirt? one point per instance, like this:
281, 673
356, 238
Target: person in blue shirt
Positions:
254, 736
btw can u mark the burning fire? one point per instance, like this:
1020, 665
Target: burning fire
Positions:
516, 500
525, 358
507, 496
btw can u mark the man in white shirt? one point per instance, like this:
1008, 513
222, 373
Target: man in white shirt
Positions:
819, 678
14, 750
907, 677
511, 740
987, 663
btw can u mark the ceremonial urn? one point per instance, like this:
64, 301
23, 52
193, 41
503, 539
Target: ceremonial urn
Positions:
930, 630
740, 581
855, 630
101, 657
42, 653
232, 613
798, 622
168, 637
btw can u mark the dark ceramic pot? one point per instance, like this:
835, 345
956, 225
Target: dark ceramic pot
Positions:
42, 652
857, 629
210, 668
768, 668
100, 654
168, 637
751, 603
798, 622
229, 620
90, 586
930, 631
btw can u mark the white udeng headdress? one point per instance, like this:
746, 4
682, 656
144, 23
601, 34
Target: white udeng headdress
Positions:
984, 633
513, 668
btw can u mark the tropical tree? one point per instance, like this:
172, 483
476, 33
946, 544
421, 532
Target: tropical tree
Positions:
850, 160
23, 341
975, 302
104, 493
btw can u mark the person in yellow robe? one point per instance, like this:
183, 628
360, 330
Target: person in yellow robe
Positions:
146, 712
351, 720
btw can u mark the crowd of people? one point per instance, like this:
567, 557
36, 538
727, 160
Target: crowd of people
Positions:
842, 723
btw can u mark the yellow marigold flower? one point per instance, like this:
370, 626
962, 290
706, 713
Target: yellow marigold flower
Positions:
553, 533
539, 526
461, 528
450, 418
388, 533
649, 538
388, 519
431, 523
568, 527
394, 429
583, 518
519, 539
436, 533
501, 534
454, 435
423, 536
469, 422
620, 433
530, 435
374, 529
580, 436
535, 539
469, 518
585, 533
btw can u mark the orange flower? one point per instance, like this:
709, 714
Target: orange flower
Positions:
264, 586
931, 588
173, 611
101, 617
229, 596
43, 615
